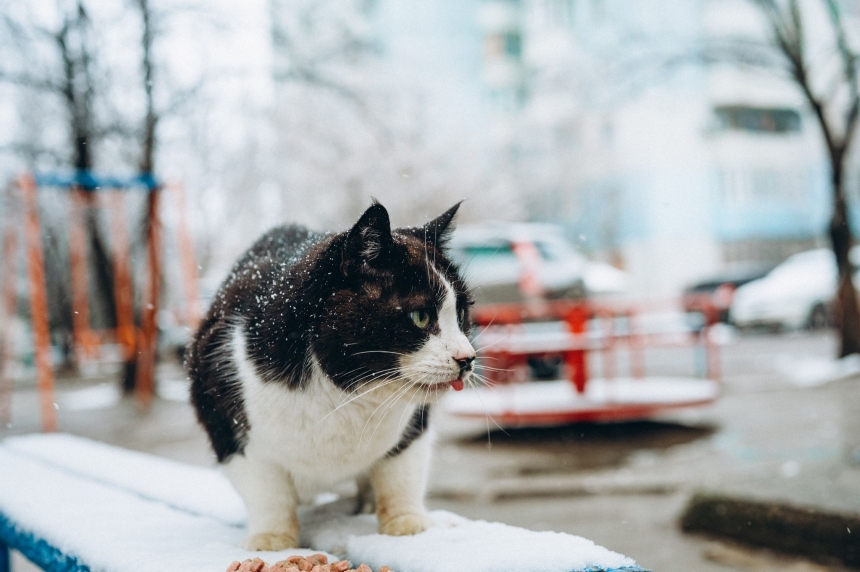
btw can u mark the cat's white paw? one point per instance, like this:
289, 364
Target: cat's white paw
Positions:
404, 525
271, 541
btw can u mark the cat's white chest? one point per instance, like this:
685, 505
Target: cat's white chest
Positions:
320, 435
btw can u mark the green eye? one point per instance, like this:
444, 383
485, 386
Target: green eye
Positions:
461, 315
420, 318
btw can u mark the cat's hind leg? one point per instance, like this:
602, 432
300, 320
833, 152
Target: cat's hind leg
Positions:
400, 482
270, 498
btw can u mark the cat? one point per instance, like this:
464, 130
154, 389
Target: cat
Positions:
318, 362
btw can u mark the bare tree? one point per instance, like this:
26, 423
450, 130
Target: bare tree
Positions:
146, 134
832, 94
62, 61
74, 78
151, 118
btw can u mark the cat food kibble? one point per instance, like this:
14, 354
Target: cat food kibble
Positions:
255, 565
313, 563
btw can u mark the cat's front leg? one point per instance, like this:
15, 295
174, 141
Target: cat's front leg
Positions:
365, 499
400, 482
271, 501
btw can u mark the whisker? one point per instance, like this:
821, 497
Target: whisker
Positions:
380, 352
391, 400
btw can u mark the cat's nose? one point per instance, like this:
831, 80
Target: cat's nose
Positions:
465, 363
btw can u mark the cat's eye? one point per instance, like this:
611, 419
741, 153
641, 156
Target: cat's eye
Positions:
420, 318
461, 315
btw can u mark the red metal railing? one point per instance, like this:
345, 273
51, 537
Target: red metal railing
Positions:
509, 349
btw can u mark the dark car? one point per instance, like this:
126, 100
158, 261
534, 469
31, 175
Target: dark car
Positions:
711, 298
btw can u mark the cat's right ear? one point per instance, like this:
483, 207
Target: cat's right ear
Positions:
369, 240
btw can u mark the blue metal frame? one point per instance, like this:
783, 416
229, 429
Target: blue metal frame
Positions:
89, 181
5, 560
37, 550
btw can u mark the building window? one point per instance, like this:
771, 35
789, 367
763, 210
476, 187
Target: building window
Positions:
742, 188
503, 45
757, 119
513, 45
494, 46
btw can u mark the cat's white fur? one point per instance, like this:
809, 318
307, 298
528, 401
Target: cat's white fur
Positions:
301, 442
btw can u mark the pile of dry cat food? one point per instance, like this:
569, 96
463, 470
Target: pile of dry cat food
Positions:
313, 563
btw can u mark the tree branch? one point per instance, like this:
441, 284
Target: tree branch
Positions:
849, 66
788, 38
25, 80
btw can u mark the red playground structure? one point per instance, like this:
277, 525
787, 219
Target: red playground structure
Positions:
596, 329
137, 343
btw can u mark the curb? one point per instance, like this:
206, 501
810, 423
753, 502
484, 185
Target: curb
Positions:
820, 536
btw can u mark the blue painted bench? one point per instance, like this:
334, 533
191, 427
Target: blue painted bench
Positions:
70, 504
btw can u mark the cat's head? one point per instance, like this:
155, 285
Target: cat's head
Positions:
399, 312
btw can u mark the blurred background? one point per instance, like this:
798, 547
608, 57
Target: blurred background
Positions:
655, 191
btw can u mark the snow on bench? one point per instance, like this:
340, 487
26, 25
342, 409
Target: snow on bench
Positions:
70, 504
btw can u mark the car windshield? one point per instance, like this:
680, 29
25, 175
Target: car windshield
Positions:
493, 251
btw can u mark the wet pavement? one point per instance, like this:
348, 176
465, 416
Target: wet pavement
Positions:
623, 486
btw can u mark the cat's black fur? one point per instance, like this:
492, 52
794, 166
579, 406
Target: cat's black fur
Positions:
343, 299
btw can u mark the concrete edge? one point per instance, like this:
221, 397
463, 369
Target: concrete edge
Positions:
825, 537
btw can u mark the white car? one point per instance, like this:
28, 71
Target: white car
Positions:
500, 259
796, 294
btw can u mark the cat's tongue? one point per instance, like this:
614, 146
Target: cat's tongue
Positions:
457, 385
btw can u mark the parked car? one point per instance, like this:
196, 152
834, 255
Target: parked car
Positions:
796, 294
715, 294
501, 260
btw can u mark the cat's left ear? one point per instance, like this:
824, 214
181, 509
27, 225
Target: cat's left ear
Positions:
439, 230
369, 240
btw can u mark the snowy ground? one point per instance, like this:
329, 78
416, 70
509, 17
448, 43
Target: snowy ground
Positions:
774, 433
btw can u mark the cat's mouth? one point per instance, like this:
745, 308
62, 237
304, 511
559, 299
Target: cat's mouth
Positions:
455, 384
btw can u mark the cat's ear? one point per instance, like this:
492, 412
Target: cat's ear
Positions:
369, 240
439, 230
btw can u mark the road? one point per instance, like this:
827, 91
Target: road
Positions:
622, 486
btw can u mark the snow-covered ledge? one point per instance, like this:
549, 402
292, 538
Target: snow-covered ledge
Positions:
70, 504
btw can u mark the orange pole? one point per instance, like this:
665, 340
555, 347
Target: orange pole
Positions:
39, 303
577, 320
84, 345
193, 311
609, 346
123, 289
712, 355
9, 293
145, 381
637, 346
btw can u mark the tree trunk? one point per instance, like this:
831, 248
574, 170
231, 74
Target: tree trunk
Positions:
146, 164
846, 312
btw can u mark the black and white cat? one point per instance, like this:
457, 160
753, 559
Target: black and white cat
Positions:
318, 362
